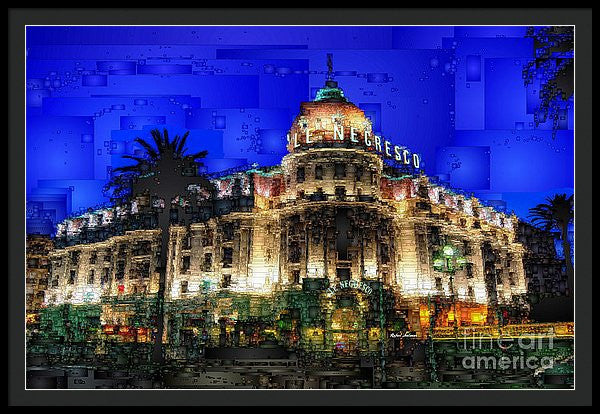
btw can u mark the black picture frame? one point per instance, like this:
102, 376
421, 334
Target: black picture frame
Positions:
19, 18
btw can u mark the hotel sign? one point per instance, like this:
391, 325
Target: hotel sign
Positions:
361, 138
350, 284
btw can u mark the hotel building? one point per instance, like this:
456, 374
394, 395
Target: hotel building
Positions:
343, 244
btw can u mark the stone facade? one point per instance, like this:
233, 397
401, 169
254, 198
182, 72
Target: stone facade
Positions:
121, 265
333, 212
37, 271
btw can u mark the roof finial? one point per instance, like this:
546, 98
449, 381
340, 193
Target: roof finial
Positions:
331, 91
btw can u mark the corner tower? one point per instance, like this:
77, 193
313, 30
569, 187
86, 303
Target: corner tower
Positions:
332, 150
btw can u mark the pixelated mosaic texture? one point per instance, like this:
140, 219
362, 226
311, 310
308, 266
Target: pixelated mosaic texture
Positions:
467, 98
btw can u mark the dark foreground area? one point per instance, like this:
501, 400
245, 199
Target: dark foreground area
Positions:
418, 364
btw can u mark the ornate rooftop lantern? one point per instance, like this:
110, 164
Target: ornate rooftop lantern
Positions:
331, 92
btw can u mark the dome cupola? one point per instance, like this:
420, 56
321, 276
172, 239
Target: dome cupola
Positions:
330, 120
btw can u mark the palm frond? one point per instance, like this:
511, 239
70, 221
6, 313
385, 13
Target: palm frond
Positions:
139, 160
166, 138
127, 168
128, 177
150, 150
197, 155
158, 140
554, 214
179, 150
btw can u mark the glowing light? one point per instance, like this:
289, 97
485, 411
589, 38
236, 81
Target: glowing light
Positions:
448, 251
477, 317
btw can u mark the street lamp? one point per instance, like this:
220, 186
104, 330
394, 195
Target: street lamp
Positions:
448, 260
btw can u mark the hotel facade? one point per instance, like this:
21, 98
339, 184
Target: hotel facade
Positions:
343, 246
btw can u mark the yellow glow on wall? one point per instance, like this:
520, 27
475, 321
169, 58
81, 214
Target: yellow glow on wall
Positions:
315, 269
344, 319
313, 335
312, 332
370, 270
374, 334
31, 317
477, 317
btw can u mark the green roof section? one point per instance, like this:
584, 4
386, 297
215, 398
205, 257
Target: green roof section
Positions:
330, 92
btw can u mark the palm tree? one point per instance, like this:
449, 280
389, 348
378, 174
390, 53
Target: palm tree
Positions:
557, 214
165, 173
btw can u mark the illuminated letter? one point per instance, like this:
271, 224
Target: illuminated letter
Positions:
416, 161
296, 145
338, 132
368, 142
353, 135
397, 153
308, 141
377, 143
404, 154
387, 148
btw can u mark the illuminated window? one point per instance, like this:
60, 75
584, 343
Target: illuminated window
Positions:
471, 293
207, 240
300, 175
186, 243
122, 250
340, 192
237, 187
228, 232
469, 268
358, 174
74, 257
318, 172
72, 277
343, 274
294, 252
105, 276
340, 170
226, 281
185, 266
384, 253
207, 264
120, 273
144, 270
227, 256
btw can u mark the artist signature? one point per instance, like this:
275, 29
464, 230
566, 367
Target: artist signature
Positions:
403, 335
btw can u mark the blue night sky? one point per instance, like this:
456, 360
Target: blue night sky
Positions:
454, 94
